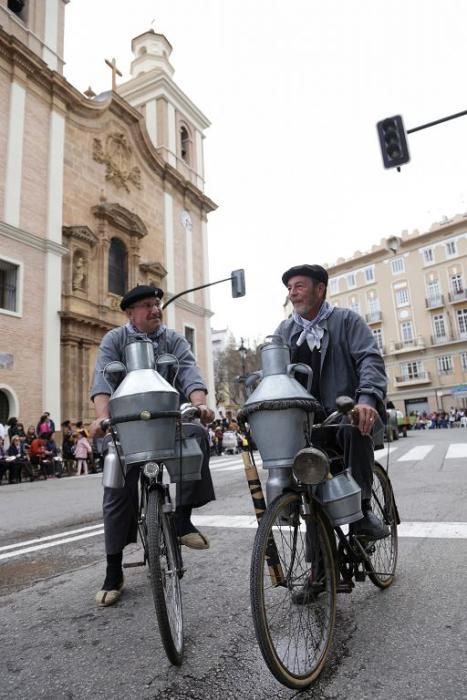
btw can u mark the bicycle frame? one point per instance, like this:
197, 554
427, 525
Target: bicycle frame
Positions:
149, 483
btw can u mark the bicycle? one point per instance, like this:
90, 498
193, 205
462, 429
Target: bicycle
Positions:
301, 561
161, 546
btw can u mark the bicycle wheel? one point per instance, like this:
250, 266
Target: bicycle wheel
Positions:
165, 583
383, 553
294, 635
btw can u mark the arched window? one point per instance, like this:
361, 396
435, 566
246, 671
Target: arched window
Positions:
185, 144
4, 407
118, 267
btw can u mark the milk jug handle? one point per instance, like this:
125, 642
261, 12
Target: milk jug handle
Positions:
274, 338
304, 369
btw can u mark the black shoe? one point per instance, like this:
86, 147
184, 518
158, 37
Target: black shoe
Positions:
370, 526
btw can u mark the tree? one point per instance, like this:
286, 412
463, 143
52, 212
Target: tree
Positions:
228, 368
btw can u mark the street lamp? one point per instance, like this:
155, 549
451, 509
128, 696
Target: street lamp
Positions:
243, 353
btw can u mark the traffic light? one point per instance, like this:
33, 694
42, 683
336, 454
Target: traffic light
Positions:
393, 142
238, 283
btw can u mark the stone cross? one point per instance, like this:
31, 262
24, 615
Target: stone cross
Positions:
113, 65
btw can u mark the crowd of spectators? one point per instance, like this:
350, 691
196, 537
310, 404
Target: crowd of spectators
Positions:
225, 435
454, 418
34, 453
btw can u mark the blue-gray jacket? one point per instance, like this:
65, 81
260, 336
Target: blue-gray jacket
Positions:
351, 363
112, 348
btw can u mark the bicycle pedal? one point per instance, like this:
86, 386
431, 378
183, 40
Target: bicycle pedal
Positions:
132, 564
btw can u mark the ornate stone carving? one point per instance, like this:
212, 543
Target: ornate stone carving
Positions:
121, 218
117, 157
83, 234
79, 277
153, 268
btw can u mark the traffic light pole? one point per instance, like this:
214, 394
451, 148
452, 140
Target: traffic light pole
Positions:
438, 121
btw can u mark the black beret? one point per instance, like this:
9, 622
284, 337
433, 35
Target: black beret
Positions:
142, 291
316, 272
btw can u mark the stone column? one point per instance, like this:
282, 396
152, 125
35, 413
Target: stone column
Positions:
53, 265
169, 254
14, 154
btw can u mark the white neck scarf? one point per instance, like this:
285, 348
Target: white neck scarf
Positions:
311, 330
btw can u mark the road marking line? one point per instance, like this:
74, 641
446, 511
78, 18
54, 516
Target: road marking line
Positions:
441, 530
384, 453
47, 545
421, 530
457, 451
416, 453
40, 540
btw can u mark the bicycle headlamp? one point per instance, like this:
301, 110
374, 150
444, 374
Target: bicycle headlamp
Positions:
311, 465
150, 469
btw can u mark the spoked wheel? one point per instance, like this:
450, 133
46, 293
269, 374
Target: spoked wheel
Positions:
383, 553
293, 602
165, 583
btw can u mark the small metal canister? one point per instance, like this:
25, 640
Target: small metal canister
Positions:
113, 475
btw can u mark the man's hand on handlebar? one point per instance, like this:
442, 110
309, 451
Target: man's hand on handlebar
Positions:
197, 398
365, 417
98, 427
205, 413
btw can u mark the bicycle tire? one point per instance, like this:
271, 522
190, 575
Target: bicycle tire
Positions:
383, 553
165, 583
294, 639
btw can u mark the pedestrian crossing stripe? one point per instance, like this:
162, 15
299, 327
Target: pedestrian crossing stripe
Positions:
422, 530
414, 454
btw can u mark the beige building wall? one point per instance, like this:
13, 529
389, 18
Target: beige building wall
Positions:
415, 302
75, 175
176, 126
30, 210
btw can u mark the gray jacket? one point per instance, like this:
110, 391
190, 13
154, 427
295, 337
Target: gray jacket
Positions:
112, 348
351, 363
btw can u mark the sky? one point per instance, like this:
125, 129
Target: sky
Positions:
293, 90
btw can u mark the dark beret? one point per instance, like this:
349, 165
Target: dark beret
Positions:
142, 291
316, 272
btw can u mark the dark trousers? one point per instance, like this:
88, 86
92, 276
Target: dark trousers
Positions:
120, 506
358, 452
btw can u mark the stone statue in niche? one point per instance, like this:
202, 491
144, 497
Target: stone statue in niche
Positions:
79, 273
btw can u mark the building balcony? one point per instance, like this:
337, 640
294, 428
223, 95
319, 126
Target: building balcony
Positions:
443, 339
419, 378
413, 345
374, 317
457, 297
435, 301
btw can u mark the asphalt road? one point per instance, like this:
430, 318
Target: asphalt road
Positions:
408, 642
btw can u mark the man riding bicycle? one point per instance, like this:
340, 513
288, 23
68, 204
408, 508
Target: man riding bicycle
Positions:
340, 349
142, 306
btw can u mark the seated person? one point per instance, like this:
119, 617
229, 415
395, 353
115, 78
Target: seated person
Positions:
37, 455
16, 459
3, 462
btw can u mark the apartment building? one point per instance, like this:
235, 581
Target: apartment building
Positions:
412, 291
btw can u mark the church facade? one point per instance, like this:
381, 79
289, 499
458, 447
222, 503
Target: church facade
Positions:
98, 194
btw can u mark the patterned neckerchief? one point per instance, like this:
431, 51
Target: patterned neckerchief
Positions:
153, 337
311, 330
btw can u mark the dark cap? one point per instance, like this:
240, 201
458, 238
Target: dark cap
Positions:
142, 291
315, 272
